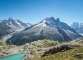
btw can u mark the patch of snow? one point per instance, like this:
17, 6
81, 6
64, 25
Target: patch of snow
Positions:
19, 23
68, 32
0, 21
82, 34
28, 24
42, 24
11, 25
19, 30
6, 23
7, 37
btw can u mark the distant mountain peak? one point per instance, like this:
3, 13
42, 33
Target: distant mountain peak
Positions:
49, 18
57, 19
10, 18
78, 27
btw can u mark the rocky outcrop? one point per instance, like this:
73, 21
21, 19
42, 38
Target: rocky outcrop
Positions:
59, 49
79, 55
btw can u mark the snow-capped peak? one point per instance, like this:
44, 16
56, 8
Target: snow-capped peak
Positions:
10, 18
18, 23
42, 23
50, 16
49, 21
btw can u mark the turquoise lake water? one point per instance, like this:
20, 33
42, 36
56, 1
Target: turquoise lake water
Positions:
14, 57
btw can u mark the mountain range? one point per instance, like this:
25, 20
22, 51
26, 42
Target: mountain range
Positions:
78, 27
49, 28
10, 25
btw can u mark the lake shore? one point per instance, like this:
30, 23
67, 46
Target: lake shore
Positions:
14, 57
12, 54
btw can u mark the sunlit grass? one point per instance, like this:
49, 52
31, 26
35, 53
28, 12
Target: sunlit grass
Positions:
67, 55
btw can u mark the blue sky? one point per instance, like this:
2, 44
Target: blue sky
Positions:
33, 11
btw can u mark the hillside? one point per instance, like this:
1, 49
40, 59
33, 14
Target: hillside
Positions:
45, 50
67, 55
55, 51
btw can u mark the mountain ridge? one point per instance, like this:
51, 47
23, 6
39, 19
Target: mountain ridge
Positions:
49, 28
10, 25
78, 27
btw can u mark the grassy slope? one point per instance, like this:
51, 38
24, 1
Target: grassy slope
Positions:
67, 55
